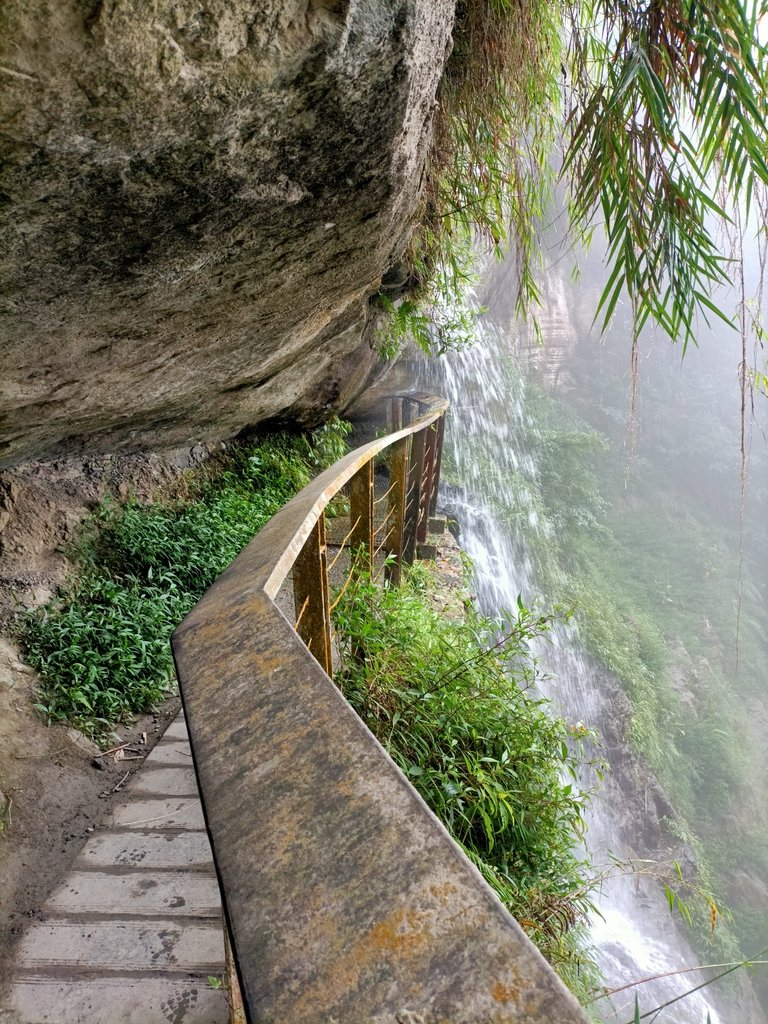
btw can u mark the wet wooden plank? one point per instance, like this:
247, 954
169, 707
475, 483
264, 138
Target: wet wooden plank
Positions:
310, 592
398, 476
361, 498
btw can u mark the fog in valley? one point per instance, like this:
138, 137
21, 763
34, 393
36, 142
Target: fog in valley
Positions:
641, 525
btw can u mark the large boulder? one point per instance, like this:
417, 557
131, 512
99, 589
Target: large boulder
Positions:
199, 198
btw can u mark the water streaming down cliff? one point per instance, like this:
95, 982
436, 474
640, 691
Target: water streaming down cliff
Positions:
489, 485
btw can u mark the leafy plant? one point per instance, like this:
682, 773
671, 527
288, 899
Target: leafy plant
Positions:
651, 118
102, 647
667, 105
328, 443
453, 704
445, 323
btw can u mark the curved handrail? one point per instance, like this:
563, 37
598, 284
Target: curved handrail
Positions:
345, 899
308, 505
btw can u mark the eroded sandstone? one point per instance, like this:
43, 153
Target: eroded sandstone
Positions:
199, 200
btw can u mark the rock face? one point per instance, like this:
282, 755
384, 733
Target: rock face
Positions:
199, 198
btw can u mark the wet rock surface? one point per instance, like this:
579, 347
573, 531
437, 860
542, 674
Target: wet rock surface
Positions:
198, 202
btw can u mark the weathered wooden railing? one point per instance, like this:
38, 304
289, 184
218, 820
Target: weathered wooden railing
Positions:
392, 531
346, 900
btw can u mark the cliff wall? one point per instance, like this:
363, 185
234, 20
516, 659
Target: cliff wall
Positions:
198, 200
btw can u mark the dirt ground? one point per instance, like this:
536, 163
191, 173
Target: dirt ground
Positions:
52, 793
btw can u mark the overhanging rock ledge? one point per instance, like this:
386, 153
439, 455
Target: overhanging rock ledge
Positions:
198, 201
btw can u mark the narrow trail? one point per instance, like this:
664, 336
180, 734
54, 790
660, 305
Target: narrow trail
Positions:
133, 932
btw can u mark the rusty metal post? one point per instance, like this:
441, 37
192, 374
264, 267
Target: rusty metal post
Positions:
395, 414
361, 516
398, 479
427, 479
413, 496
440, 431
310, 594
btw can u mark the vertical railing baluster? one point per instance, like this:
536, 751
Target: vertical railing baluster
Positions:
406, 406
310, 594
413, 496
429, 471
398, 480
440, 437
395, 414
361, 516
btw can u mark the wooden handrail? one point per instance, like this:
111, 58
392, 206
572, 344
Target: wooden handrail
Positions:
289, 529
346, 900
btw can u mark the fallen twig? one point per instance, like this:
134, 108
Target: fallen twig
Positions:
114, 750
160, 817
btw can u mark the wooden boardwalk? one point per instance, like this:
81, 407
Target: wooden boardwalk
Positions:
133, 933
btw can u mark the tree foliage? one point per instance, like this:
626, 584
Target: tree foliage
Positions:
659, 113
666, 130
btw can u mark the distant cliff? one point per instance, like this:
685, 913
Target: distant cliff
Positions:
199, 198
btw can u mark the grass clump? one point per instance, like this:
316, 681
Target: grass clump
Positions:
102, 647
454, 705
489, 177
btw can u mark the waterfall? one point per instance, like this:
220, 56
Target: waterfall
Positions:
489, 477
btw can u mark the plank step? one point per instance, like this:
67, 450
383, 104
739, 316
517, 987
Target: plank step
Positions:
177, 730
143, 1000
140, 849
121, 946
154, 814
177, 893
170, 752
161, 781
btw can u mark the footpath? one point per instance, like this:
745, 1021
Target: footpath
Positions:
133, 934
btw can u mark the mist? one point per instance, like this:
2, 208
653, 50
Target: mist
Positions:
681, 531
650, 528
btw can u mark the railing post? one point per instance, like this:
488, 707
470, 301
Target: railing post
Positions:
428, 477
406, 411
395, 414
440, 437
398, 479
310, 594
413, 496
361, 497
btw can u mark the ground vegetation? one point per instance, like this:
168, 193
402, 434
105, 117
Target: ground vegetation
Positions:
102, 647
455, 704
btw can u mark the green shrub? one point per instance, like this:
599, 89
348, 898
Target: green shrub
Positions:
102, 648
454, 705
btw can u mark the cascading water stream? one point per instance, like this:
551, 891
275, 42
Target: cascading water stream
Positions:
489, 486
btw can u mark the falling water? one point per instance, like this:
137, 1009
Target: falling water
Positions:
488, 470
